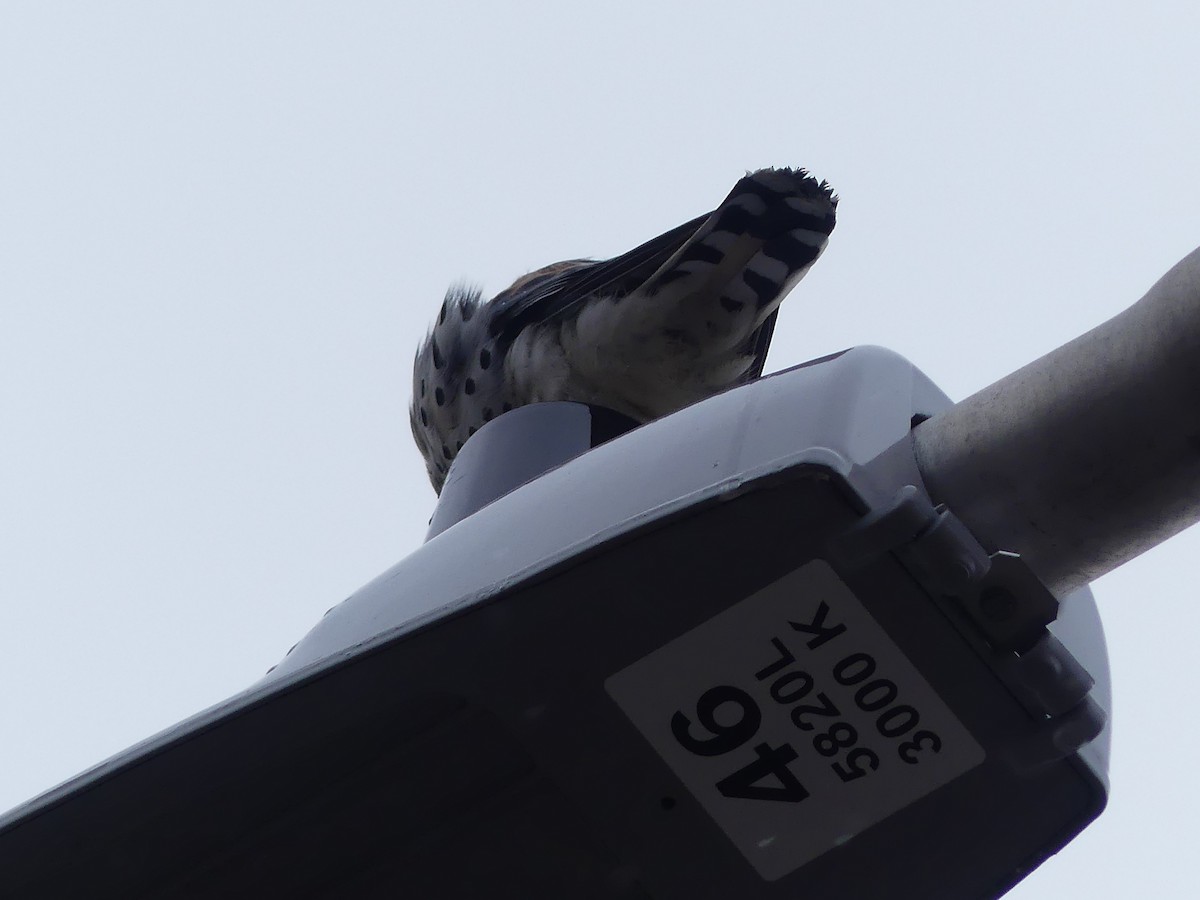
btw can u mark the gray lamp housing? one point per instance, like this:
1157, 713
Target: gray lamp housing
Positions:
737, 652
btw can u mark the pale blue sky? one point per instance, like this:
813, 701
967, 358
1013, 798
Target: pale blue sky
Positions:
224, 227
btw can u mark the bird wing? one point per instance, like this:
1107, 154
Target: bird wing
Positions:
554, 294
759, 344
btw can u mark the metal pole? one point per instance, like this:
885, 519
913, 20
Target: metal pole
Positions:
1089, 456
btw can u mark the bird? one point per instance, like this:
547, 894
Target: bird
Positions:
684, 316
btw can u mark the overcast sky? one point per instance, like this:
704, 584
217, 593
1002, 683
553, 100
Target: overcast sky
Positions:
224, 227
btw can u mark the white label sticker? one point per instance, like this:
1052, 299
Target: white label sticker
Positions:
795, 720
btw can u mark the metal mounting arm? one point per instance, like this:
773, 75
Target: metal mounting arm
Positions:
1089, 456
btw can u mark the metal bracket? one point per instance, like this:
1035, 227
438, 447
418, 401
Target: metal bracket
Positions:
1000, 597
999, 593
940, 547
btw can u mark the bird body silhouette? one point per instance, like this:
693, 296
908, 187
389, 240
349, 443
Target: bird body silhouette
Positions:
685, 315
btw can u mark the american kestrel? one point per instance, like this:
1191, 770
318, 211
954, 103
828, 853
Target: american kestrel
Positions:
678, 319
